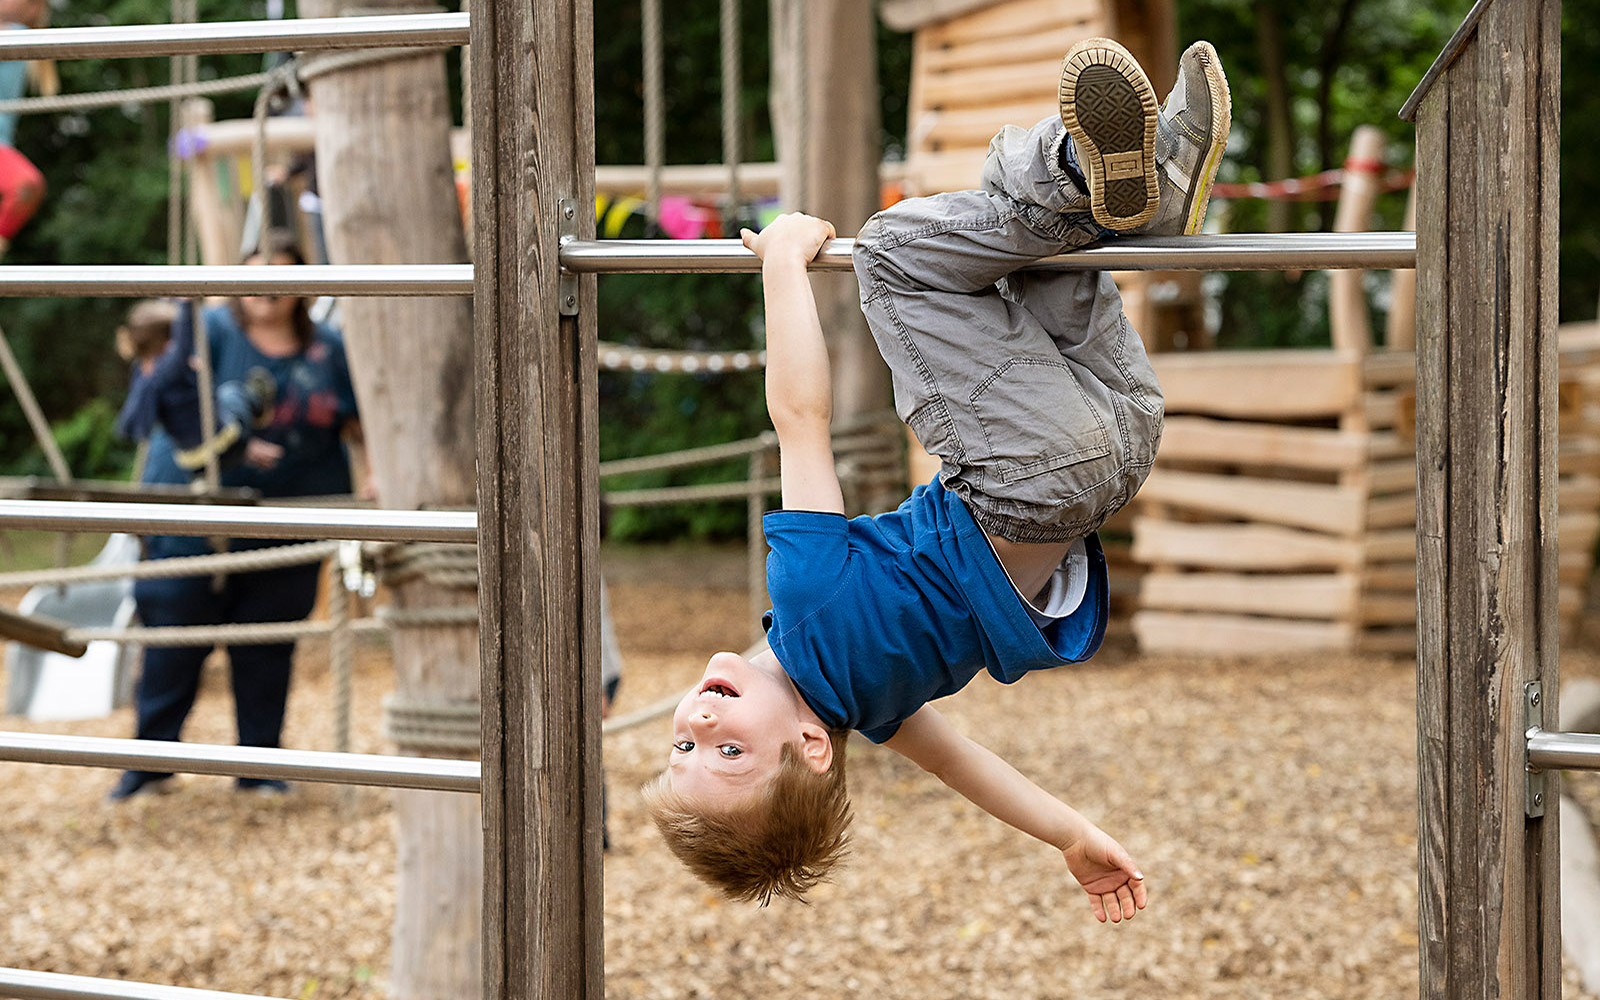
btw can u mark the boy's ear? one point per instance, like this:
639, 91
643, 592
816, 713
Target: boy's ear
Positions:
816, 749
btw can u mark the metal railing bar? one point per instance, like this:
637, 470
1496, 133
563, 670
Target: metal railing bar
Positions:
1236, 252
428, 773
1554, 751
133, 280
24, 984
360, 524
122, 41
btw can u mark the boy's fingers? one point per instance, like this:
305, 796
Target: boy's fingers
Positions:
1113, 908
1097, 908
1125, 900
1139, 895
747, 238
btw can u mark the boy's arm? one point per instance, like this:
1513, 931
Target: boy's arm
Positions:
1106, 872
799, 390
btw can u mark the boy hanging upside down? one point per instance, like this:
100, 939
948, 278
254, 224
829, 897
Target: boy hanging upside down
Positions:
1035, 393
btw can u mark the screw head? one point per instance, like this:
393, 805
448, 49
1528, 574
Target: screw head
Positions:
569, 211
1538, 798
572, 300
1533, 698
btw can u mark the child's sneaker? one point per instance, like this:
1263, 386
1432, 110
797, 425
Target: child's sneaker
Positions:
1191, 134
1109, 109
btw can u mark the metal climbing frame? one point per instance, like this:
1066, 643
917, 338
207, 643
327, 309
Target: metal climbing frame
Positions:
533, 166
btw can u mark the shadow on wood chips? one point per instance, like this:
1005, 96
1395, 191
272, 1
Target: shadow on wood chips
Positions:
1271, 804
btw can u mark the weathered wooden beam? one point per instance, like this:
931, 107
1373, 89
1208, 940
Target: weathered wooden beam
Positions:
1488, 180
538, 484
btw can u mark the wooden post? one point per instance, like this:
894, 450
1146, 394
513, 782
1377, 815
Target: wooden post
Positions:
538, 493
1488, 192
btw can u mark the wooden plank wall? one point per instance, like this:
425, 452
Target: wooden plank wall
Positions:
1488, 185
1273, 522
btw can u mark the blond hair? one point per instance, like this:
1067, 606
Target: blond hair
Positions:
782, 843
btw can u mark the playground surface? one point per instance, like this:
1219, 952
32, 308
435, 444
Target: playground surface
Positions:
1271, 803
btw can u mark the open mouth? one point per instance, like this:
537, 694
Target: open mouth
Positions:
718, 687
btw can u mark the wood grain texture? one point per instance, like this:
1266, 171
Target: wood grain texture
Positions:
1487, 518
533, 144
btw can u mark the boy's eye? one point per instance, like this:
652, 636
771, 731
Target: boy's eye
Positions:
683, 746
728, 750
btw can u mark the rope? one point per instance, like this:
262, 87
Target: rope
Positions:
238, 634
620, 357
802, 90
429, 617
244, 561
731, 76
341, 654
654, 143
93, 100
700, 493
444, 565
690, 456
419, 725
30, 407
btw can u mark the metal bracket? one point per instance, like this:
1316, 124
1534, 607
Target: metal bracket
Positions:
567, 226
1533, 717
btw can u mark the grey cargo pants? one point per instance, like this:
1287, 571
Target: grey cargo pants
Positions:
1031, 387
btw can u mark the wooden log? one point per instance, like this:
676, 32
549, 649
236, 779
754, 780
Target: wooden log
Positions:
1330, 508
1040, 45
943, 129
1016, 17
1390, 576
1347, 297
1236, 635
40, 632
1274, 385
1389, 369
538, 490
1242, 546
1387, 546
1487, 215
1204, 439
1306, 595
411, 361
1013, 83
1401, 331
1392, 511
1388, 608
1396, 641
1390, 477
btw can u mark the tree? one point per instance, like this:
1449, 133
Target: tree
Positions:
388, 185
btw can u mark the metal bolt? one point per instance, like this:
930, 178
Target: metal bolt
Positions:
569, 211
1538, 798
1533, 698
572, 300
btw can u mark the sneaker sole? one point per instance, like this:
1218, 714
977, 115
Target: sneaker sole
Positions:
1109, 109
1221, 121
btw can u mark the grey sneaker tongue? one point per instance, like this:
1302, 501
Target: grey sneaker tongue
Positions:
1166, 139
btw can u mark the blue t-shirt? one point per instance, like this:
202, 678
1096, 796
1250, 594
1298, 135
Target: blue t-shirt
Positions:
314, 401
874, 617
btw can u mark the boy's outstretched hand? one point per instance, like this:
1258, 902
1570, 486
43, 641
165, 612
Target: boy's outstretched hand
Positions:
791, 233
1114, 883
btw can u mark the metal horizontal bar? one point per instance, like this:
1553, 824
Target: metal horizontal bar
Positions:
120, 41
1553, 751
1237, 252
131, 280
24, 984
429, 773
362, 524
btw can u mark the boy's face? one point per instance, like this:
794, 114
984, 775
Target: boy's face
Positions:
729, 730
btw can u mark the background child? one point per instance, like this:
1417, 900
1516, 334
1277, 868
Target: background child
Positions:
164, 390
1035, 392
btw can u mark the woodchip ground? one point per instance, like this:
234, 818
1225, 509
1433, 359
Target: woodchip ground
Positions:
1271, 803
